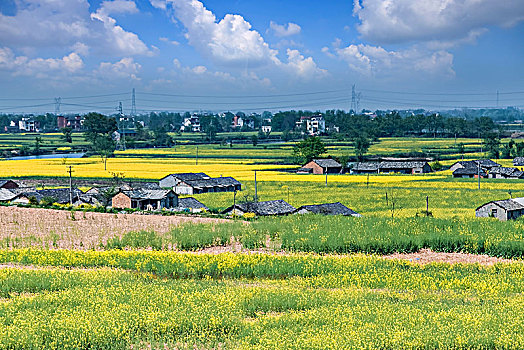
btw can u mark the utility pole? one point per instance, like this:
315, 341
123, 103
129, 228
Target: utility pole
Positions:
70, 171
427, 205
478, 172
497, 99
256, 189
326, 175
122, 124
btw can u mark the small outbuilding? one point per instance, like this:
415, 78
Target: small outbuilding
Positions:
145, 199
505, 173
413, 167
469, 173
327, 209
191, 204
518, 161
365, 168
485, 164
507, 209
277, 207
322, 166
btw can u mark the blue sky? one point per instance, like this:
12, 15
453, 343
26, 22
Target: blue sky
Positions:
219, 55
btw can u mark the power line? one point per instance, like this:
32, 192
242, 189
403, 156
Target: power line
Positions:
242, 96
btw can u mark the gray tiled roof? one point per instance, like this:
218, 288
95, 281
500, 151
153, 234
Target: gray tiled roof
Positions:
518, 161
509, 204
213, 182
330, 209
366, 166
59, 195
141, 194
6, 195
277, 207
469, 171
513, 172
190, 202
189, 176
327, 163
401, 165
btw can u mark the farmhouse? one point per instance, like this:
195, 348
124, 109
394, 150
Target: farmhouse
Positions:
415, 167
503, 210
195, 183
505, 173
365, 168
518, 161
485, 164
327, 209
322, 166
470, 172
145, 199
55, 195
277, 207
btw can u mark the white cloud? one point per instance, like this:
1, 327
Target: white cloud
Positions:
124, 41
58, 24
125, 68
281, 30
303, 67
167, 40
199, 69
230, 41
397, 21
117, 6
39, 67
375, 60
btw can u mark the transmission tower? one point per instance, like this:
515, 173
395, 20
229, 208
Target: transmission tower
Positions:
58, 101
121, 119
133, 104
355, 99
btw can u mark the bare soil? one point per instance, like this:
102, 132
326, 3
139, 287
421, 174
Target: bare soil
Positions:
426, 256
47, 228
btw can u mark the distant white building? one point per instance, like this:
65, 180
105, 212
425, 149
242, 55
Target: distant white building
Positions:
28, 124
314, 125
191, 123
266, 129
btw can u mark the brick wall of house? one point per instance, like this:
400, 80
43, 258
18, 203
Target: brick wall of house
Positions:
317, 169
121, 200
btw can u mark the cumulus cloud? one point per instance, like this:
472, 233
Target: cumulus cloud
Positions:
231, 41
227, 41
281, 30
58, 24
39, 67
398, 21
304, 67
125, 68
372, 60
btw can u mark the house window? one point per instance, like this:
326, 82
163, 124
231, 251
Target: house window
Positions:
493, 212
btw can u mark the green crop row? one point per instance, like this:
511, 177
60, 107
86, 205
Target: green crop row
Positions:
322, 303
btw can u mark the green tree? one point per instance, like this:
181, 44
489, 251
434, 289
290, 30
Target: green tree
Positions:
254, 140
38, 143
492, 142
67, 134
362, 145
99, 131
308, 149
